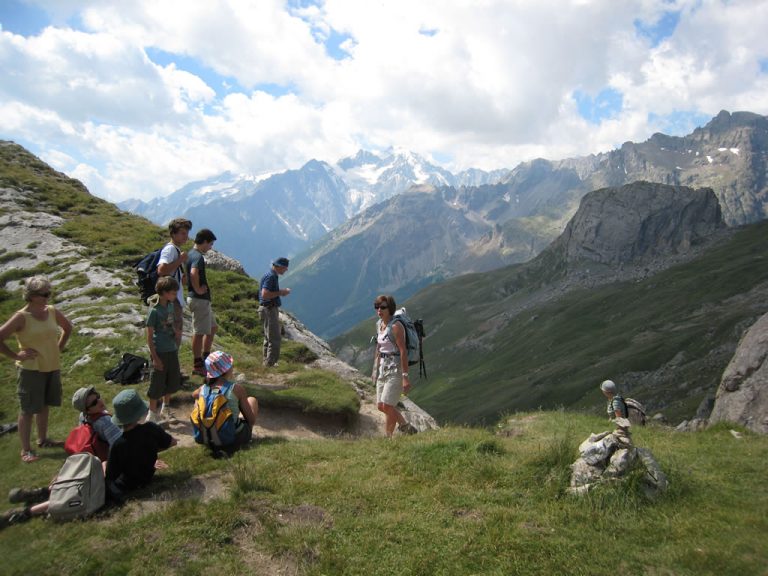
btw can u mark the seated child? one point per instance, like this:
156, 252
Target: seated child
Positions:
220, 371
94, 412
133, 456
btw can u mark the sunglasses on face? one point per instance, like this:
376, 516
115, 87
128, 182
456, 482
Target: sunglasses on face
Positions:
43, 294
380, 307
93, 402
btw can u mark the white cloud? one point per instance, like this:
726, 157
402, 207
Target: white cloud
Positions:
488, 83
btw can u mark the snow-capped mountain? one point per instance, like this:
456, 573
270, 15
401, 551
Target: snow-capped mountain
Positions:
281, 214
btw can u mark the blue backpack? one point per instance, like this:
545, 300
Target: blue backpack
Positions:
213, 422
414, 335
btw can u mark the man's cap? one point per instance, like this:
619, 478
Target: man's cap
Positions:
80, 397
282, 262
129, 408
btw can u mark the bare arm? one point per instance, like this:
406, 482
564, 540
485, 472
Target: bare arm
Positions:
66, 329
194, 279
245, 407
13, 325
269, 294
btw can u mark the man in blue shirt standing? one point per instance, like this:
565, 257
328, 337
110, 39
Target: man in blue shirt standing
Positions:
269, 295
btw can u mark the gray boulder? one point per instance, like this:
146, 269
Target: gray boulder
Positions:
742, 396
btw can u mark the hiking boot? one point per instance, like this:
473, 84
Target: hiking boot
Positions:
15, 516
31, 496
199, 369
407, 428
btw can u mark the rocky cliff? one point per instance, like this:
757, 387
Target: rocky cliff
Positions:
639, 223
743, 393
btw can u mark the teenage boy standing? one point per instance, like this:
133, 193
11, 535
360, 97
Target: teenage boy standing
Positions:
199, 300
171, 263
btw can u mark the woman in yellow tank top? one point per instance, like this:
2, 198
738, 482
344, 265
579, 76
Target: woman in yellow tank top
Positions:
41, 332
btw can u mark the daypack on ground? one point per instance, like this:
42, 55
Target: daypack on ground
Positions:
83, 438
78, 490
130, 370
414, 336
635, 411
212, 418
146, 273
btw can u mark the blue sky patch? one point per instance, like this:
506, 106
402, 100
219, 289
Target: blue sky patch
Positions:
763, 62
428, 31
657, 31
333, 45
22, 18
678, 123
222, 85
606, 104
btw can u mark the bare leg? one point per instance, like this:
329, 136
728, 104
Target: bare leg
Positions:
25, 431
393, 418
197, 345
208, 340
42, 424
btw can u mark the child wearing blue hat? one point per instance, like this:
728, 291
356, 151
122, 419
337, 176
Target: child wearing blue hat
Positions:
133, 457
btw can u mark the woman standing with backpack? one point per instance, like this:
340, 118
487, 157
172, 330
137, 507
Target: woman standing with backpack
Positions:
390, 366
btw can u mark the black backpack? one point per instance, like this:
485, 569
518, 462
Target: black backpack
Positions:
146, 273
130, 370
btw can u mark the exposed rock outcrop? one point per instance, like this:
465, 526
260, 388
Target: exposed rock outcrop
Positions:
742, 397
636, 223
218, 261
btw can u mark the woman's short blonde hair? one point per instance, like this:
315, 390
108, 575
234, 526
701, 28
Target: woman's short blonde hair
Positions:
35, 286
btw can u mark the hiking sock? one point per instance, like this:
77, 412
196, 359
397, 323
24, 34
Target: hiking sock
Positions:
206, 354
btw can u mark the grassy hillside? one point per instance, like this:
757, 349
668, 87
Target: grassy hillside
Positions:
453, 502
667, 338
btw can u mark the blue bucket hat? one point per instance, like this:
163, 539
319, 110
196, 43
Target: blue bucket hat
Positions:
129, 408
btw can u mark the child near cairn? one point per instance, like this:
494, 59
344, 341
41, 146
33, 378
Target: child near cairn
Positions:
165, 377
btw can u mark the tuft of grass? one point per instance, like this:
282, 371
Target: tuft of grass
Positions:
313, 392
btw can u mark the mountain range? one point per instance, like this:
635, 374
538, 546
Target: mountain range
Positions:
283, 213
432, 233
395, 223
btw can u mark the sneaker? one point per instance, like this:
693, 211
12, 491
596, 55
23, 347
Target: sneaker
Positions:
407, 428
32, 496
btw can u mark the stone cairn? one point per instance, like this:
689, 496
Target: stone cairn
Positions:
609, 456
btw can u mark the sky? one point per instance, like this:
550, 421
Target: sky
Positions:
138, 98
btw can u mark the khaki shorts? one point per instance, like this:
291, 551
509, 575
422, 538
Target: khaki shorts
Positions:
37, 390
389, 384
203, 320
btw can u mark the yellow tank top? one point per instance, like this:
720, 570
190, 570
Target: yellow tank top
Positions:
43, 336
